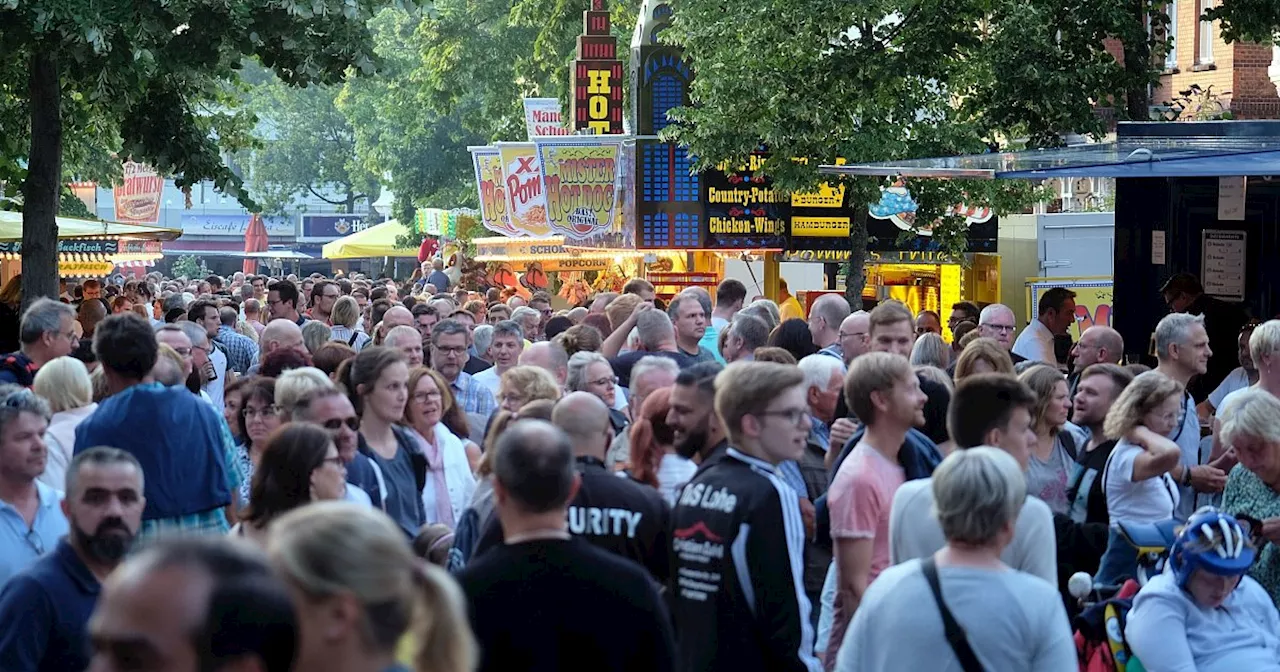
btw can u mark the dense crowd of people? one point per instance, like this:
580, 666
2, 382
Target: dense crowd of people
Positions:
358, 474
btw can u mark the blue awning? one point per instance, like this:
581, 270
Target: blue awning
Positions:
1139, 152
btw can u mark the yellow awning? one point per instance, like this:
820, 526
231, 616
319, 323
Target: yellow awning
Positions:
376, 241
71, 227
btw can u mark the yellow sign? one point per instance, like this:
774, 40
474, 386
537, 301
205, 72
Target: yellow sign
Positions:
84, 268
901, 257
1093, 300
526, 200
825, 227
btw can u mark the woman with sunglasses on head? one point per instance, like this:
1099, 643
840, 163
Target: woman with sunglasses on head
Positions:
299, 464
259, 416
1203, 613
429, 412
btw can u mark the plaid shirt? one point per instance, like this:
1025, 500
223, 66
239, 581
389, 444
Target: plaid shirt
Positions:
472, 396
242, 352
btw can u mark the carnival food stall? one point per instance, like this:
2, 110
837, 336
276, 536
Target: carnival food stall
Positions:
87, 248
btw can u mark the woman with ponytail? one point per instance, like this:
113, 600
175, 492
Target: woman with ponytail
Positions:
359, 591
376, 380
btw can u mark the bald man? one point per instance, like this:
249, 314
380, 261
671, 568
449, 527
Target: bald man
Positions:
1098, 344
279, 334
616, 514
855, 335
825, 317
549, 357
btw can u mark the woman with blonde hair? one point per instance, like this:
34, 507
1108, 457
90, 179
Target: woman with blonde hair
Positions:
295, 384
523, 384
345, 315
1057, 441
1142, 475
63, 382
359, 590
983, 355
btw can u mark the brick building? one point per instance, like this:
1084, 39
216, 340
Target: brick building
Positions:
1241, 74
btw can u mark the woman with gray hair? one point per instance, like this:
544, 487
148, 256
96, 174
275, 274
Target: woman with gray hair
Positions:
931, 350
64, 383
591, 372
1251, 426
1005, 620
345, 316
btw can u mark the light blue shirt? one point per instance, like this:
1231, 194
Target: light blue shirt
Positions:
711, 341
21, 545
1167, 630
1188, 439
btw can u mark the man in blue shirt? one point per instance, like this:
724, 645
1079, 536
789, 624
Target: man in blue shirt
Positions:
45, 609
30, 521
180, 441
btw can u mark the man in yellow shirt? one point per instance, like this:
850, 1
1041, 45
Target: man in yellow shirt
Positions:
788, 306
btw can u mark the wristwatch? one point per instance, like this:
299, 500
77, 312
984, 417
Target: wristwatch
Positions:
1186, 476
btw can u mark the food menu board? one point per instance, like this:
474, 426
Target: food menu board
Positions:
491, 185
526, 200
580, 178
1222, 264
743, 210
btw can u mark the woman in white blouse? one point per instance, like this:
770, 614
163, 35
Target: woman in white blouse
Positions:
65, 383
432, 413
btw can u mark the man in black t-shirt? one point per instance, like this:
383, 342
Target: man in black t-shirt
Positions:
546, 600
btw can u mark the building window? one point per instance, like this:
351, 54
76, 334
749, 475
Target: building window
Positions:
1204, 37
1171, 58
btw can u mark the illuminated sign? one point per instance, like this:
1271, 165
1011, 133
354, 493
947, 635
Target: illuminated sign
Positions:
596, 80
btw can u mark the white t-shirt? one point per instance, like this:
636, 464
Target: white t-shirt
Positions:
1149, 501
1237, 380
914, 532
489, 378
1035, 343
215, 387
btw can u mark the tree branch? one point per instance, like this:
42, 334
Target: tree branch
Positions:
317, 195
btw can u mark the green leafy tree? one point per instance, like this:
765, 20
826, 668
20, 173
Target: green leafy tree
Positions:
160, 76
306, 146
899, 79
190, 266
419, 152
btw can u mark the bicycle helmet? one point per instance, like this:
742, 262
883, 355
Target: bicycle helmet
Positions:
1212, 541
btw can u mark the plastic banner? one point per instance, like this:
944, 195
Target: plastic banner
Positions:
526, 200
492, 187
138, 198
581, 182
1093, 300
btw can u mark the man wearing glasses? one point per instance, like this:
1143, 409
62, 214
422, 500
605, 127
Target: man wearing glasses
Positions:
47, 332
997, 321
32, 518
332, 410
323, 295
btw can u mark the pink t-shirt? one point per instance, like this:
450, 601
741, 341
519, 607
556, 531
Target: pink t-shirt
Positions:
859, 500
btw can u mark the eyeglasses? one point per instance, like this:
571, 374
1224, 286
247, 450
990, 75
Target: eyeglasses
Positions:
263, 412
334, 424
1002, 328
423, 397
185, 352
795, 416
450, 351
611, 380
859, 334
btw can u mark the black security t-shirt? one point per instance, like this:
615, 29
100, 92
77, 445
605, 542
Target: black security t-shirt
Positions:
614, 513
566, 605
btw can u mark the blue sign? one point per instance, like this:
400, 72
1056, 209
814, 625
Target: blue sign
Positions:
336, 225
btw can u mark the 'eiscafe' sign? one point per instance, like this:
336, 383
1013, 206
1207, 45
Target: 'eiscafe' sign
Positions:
596, 77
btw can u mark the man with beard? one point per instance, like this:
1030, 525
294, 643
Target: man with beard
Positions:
45, 609
692, 418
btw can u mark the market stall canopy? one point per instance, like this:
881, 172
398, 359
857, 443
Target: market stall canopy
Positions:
274, 253
71, 227
1141, 149
376, 241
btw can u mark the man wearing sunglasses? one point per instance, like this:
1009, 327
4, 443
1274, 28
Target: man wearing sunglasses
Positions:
332, 410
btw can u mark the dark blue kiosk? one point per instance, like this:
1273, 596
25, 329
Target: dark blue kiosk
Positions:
1191, 197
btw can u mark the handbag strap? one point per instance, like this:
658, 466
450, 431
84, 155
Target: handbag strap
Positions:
954, 632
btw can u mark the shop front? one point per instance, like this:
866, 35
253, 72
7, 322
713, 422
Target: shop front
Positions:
88, 248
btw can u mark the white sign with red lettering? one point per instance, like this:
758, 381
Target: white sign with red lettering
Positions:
542, 117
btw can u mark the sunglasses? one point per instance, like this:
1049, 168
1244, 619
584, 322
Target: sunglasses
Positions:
352, 423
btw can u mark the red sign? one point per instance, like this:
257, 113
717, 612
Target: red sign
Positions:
138, 199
